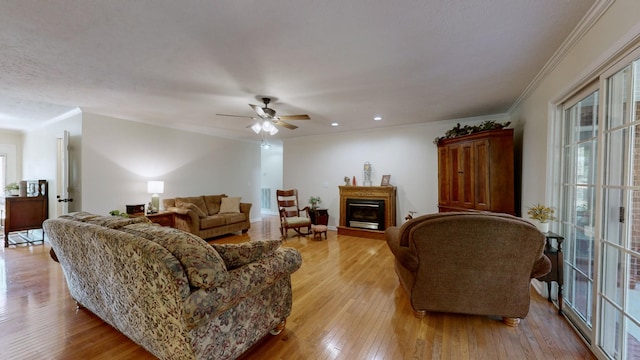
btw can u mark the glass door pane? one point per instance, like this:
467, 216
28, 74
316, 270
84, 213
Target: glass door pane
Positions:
578, 204
619, 296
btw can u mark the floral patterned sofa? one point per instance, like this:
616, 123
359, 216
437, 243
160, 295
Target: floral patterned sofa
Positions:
170, 291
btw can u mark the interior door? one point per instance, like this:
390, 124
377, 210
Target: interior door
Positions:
62, 175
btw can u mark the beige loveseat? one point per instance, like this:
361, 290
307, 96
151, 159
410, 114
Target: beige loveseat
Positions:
210, 215
170, 291
470, 263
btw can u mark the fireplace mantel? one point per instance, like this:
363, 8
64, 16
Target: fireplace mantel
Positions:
386, 193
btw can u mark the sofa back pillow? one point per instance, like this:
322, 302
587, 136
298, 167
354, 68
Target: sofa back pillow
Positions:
112, 222
203, 265
196, 200
230, 205
213, 203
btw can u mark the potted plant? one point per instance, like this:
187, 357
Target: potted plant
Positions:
12, 188
541, 215
315, 201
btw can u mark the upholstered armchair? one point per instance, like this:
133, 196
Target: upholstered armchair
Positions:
468, 262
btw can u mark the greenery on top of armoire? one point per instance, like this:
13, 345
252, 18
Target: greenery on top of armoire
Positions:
459, 130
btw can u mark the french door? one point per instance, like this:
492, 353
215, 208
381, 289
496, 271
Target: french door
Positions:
619, 291
600, 211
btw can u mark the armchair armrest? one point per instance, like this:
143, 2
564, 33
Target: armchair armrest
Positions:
405, 256
541, 267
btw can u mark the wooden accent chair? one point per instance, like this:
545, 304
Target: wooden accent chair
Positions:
291, 216
469, 263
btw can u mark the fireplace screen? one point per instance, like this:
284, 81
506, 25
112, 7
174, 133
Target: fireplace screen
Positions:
365, 214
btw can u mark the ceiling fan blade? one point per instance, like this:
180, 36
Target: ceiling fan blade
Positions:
240, 116
259, 111
294, 117
284, 124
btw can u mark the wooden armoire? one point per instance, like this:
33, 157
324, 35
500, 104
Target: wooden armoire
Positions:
476, 172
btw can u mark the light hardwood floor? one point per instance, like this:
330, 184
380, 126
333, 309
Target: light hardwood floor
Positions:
347, 304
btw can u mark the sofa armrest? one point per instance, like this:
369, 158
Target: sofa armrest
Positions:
236, 255
242, 283
245, 208
185, 219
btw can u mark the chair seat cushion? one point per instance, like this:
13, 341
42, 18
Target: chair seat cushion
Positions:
298, 221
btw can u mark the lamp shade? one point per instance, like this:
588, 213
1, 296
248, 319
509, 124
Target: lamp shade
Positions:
155, 187
256, 128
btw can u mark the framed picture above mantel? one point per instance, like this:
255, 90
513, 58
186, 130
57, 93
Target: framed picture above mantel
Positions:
385, 180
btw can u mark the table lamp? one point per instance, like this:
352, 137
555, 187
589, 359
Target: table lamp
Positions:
155, 188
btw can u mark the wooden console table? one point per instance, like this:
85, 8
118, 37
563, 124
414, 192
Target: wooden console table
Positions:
26, 213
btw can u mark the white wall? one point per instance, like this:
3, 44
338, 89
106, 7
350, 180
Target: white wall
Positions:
316, 165
11, 146
119, 157
40, 156
620, 22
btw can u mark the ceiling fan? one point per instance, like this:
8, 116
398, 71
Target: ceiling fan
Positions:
268, 114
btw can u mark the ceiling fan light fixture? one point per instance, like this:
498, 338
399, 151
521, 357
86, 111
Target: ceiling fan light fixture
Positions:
256, 128
273, 131
267, 126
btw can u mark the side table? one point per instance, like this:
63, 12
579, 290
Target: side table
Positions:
556, 274
163, 218
319, 216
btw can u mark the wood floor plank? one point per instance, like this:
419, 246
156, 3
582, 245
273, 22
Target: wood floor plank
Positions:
347, 304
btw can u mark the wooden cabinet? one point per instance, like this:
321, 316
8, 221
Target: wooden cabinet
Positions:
24, 213
476, 172
319, 216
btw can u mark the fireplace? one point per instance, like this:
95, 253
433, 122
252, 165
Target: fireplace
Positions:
365, 214
366, 211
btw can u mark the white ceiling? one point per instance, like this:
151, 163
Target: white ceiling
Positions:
179, 63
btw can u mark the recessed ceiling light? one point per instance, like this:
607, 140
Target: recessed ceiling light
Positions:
377, 118
334, 124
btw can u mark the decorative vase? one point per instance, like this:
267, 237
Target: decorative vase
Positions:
542, 226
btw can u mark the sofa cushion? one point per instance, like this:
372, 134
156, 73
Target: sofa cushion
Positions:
213, 203
191, 206
203, 265
197, 200
233, 218
235, 255
212, 221
230, 205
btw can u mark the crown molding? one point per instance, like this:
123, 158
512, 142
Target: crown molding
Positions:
586, 23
